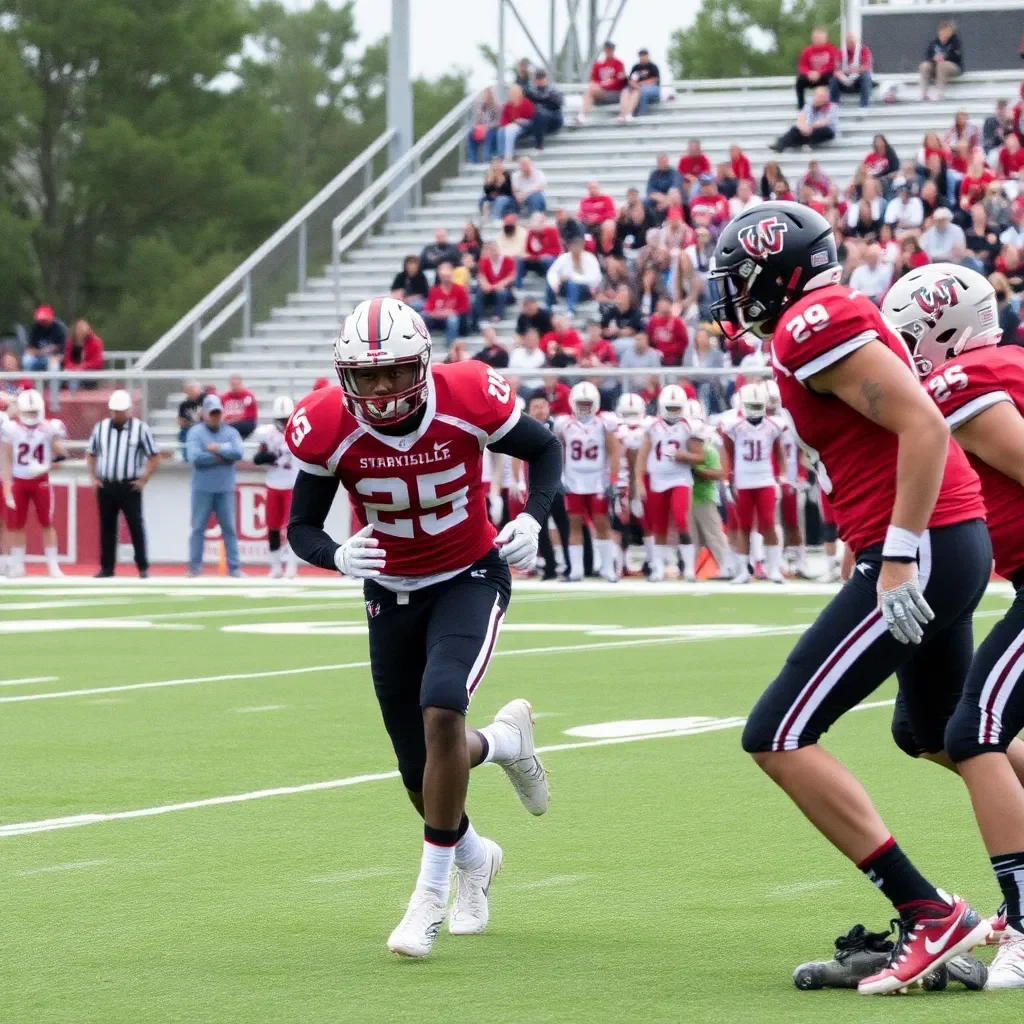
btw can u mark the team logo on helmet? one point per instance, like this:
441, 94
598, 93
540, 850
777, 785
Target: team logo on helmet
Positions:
935, 297
763, 238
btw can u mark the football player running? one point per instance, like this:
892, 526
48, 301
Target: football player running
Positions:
916, 524
948, 315
406, 441
281, 473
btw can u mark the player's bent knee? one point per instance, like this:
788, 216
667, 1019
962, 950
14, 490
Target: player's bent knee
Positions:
903, 736
443, 727
963, 734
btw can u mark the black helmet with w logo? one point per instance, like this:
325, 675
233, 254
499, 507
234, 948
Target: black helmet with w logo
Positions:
765, 259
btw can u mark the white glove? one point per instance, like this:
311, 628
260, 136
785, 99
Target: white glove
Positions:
9, 500
517, 543
360, 556
636, 506
905, 610
495, 508
35, 469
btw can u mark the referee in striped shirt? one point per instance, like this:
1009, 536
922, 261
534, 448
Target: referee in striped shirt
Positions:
121, 458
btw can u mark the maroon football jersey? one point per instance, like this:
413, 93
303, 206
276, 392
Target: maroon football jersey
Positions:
856, 458
421, 492
964, 387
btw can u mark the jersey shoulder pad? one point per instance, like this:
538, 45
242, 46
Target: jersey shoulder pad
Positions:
317, 426
608, 421
822, 328
964, 387
560, 423
476, 393
57, 429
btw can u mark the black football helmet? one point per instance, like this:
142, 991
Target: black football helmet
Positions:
765, 259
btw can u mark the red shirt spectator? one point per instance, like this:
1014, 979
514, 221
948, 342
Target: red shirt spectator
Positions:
852, 62
523, 109
972, 188
877, 164
594, 350
493, 271
823, 59
557, 394
741, 169
1018, 108
957, 161
1011, 157
239, 403
543, 241
568, 340
693, 163
609, 73
595, 206
443, 300
668, 334
710, 201
83, 350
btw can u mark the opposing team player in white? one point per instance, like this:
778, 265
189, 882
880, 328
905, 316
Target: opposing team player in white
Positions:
633, 419
670, 449
793, 483
281, 473
589, 477
753, 447
28, 448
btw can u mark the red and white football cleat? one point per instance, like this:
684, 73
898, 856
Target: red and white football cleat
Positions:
927, 943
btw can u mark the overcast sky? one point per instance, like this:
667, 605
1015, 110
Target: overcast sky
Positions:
445, 33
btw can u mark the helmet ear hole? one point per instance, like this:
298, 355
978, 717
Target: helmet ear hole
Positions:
946, 336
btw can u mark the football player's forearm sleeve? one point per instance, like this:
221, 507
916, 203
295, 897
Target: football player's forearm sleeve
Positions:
312, 498
542, 451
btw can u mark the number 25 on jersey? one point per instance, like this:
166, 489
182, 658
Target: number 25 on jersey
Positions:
942, 385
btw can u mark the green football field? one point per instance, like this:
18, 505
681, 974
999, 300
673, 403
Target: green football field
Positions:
200, 820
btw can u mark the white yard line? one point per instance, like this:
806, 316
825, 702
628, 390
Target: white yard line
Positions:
29, 679
78, 820
38, 606
77, 865
277, 673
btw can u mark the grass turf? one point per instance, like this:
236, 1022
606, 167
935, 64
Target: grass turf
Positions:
670, 881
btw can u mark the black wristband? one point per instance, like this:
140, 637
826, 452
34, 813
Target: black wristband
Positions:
903, 559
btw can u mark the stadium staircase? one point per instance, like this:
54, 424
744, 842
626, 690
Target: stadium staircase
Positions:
298, 335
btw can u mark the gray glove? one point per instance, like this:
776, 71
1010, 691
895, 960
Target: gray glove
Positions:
905, 610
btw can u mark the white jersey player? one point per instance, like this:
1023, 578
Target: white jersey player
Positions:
791, 500
633, 420
591, 469
281, 473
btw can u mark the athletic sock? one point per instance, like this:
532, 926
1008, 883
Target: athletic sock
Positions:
436, 862
649, 550
51, 557
606, 554
470, 851
18, 557
800, 557
890, 870
275, 559
291, 560
502, 743
1009, 869
688, 553
756, 548
831, 562
576, 561
772, 558
661, 553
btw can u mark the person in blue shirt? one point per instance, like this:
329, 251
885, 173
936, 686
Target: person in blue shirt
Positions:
212, 448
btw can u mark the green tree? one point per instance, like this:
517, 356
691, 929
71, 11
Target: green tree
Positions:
743, 38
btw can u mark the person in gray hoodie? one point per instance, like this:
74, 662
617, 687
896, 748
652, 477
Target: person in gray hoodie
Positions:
212, 448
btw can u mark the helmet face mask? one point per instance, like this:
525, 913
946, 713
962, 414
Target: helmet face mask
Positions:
753, 402
584, 400
31, 408
630, 408
672, 403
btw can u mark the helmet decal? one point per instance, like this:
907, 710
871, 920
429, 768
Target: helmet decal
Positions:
934, 297
764, 237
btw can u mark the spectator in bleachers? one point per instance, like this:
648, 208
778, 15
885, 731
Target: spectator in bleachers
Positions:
447, 305
607, 80
466, 275
637, 353
660, 182
1009, 320
740, 165
982, 240
240, 409
882, 163
946, 183
654, 254
1010, 263
939, 239
543, 247
440, 251
675, 212
534, 315
561, 345
410, 284
497, 199
47, 337
943, 60
622, 318
931, 199
912, 256
709, 199
642, 88
996, 206
547, 102
890, 247
865, 217
1010, 158
904, 211
817, 123
997, 128
873, 277
808, 197
529, 185
633, 223
1014, 233
511, 240
694, 266
705, 354
975, 183
471, 241
83, 351
817, 65
668, 333
650, 288
9, 363
595, 206
576, 274
596, 352
556, 392
521, 73
770, 178
817, 178
189, 410
516, 116
492, 352
963, 129
744, 199
1015, 115
616, 273
496, 276
692, 164
457, 353
568, 227
853, 73
482, 143
726, 182
525, 359
607, 244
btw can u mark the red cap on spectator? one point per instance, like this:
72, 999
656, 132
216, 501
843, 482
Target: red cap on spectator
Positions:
509, 218
674, 215
321, 382
44, 313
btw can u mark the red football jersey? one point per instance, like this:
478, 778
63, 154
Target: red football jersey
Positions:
857, 458
964, 387
421, 492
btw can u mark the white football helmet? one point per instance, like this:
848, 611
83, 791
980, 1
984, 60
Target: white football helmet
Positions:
630, 408
941, 310
774, 397
31, 407
754, 402
283, 409
584, 400
383, 332
672, 403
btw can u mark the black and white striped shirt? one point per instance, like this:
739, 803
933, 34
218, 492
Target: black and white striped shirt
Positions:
121, 453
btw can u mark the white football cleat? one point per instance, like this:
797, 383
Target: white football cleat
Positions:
15, 570
469, 910
776, 577
524, 769
689, 577
743, 576
415, 934
656, 575
610, 577
54, 572
275, 572
1007, 969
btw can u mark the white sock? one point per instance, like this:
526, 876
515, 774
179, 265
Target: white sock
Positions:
649, 549
688, 553
732, 562
831, 562
756, 548
470, 851
275, 559
661, 556
576, 561
772, 558
606, 552
800, 557
436, 869
51, 557
503, 742
18, 557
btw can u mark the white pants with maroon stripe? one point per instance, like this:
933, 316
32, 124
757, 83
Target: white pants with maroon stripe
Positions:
848, 652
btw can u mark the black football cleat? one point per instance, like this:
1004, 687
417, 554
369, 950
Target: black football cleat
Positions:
859, 954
